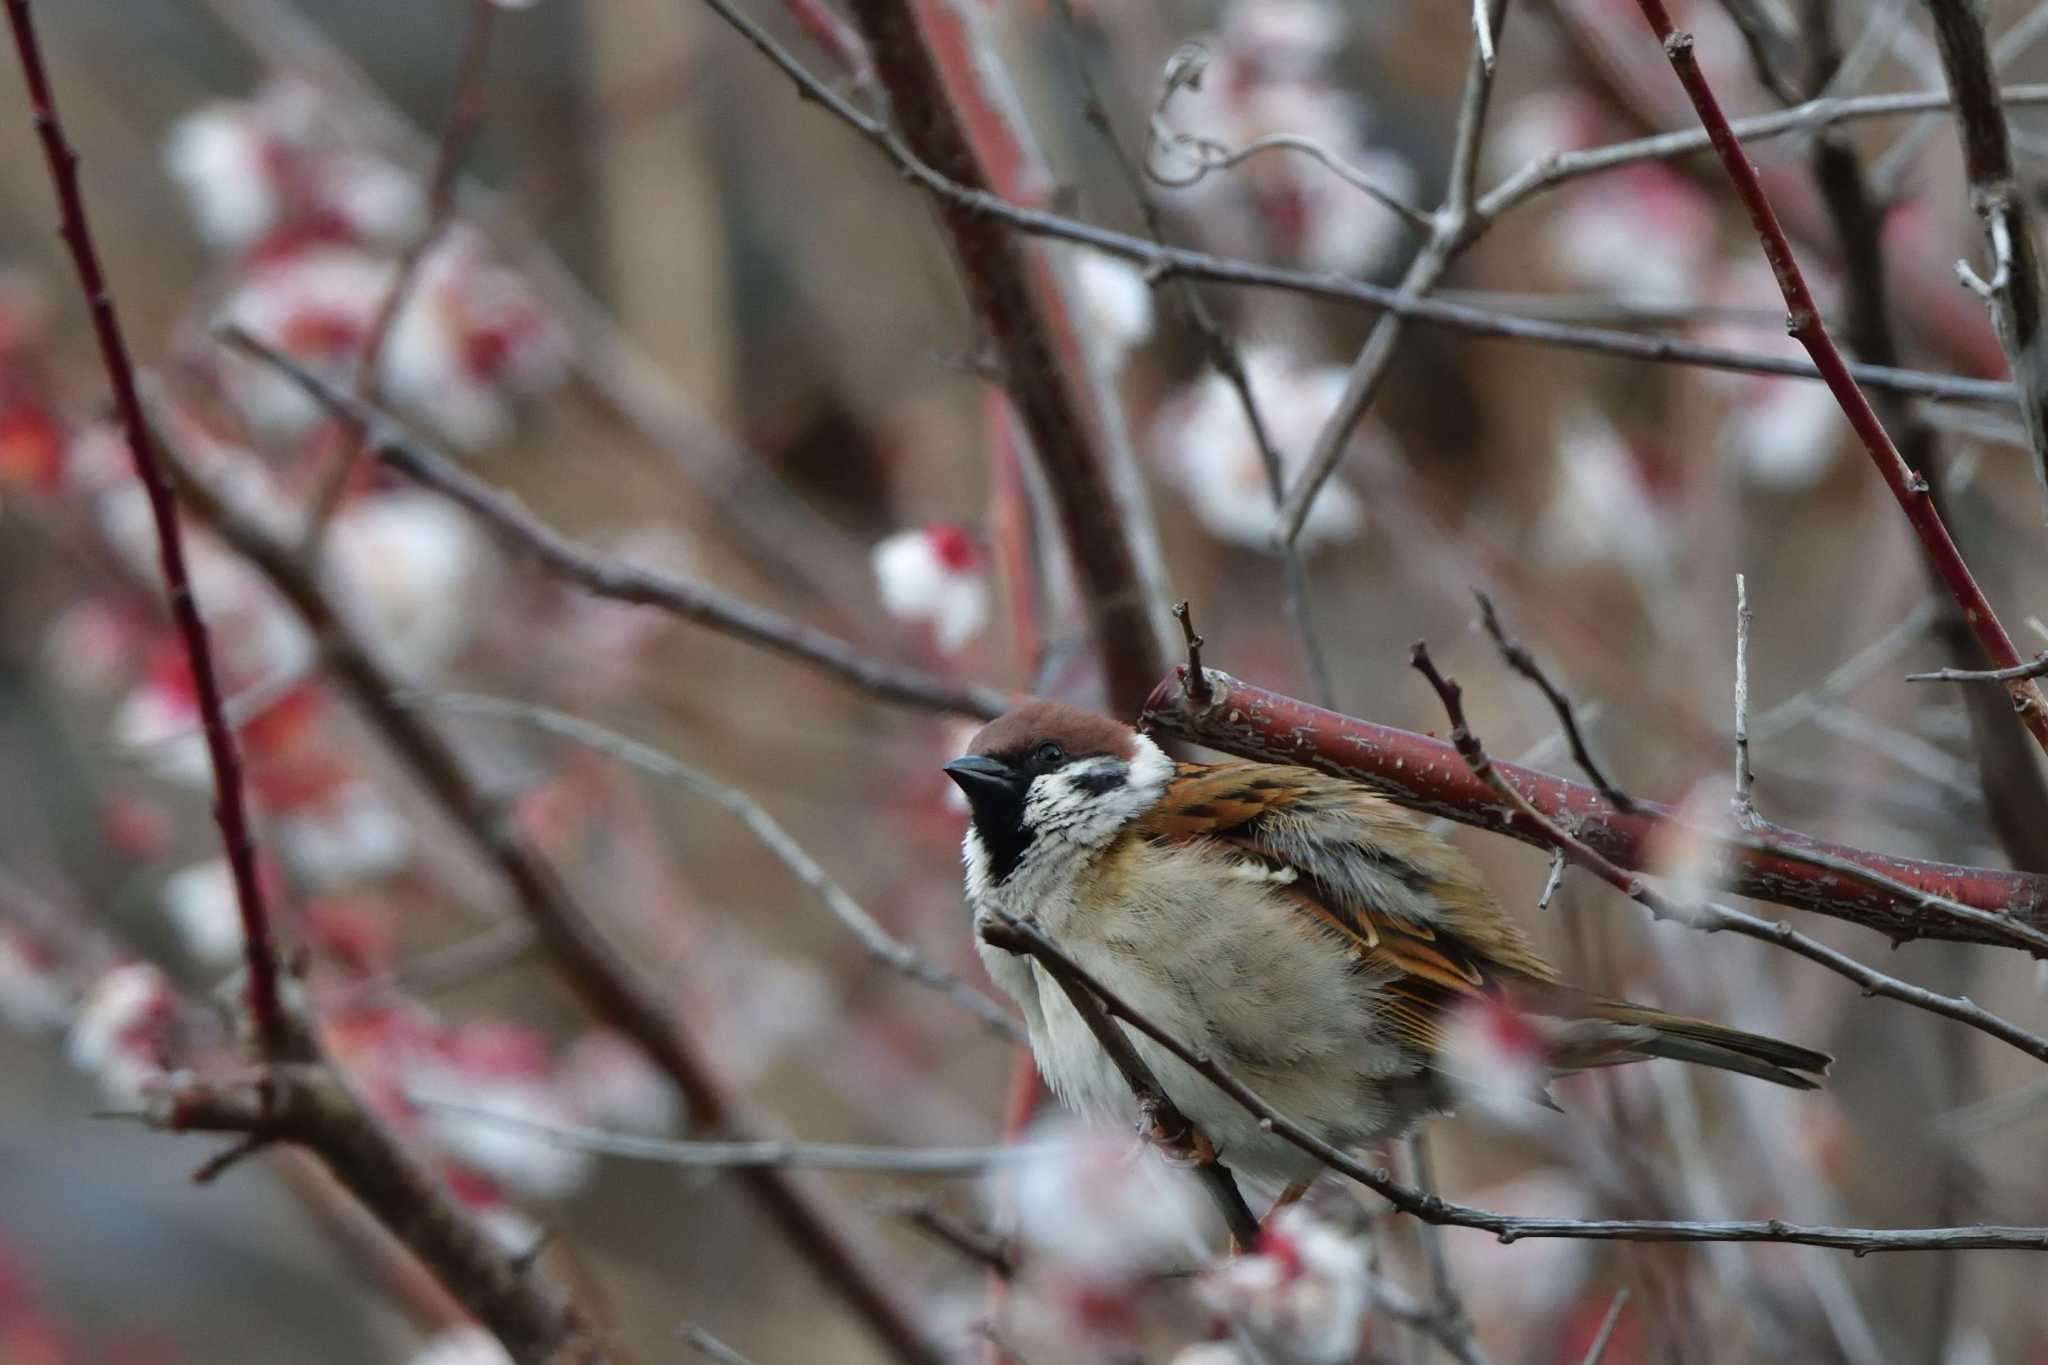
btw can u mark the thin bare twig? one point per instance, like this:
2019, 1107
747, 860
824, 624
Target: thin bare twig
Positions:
606, 576
1171, 1128
1450, 234
1223, 353
2017, 291
230, 807
709, 1346
1166, 262
880, 944
1598, 1347
730, 1156
1908, 487
465, 112
1745, 804
2035, 667
1523, 662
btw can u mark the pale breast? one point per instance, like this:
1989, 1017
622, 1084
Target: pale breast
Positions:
1209, 951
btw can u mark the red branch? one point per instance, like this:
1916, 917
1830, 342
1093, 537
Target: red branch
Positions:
1908, 487
230, 810
1427, 775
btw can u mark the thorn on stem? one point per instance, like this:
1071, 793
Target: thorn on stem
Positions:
1197, 680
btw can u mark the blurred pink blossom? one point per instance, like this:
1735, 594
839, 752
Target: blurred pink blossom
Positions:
469, 343
935, 575
1302, 1292
1497, 1060
121, 1032
1643, 233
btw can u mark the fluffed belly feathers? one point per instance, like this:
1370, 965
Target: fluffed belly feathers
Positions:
1232, 970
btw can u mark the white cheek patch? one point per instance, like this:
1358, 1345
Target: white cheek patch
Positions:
974, 856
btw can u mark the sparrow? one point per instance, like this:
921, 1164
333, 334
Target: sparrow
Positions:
1311, 937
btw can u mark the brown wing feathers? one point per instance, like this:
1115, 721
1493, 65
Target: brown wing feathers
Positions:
1355, 874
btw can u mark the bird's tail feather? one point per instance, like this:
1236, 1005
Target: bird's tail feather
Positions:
1609, 1032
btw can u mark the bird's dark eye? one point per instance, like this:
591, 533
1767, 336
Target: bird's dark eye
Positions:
1048, 754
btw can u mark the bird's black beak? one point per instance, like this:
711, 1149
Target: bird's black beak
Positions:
994, 791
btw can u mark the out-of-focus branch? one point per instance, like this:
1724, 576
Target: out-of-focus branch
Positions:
2017, 289
1171, 1128
880, 944
309, 1104
1908, 487
1428, 1206
606, 576
1548, 172
1166, 262
1009, 290
726, 1156
1427, 775
230, 808
613, 990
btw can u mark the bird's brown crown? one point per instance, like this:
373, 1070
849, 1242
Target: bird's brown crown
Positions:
1078, 732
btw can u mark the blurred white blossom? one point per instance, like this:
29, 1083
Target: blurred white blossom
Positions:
1266, 75
342, 836
274, 165
414, 571
462, 1346
1303, 1292
1601, 511
1643, 233
33, 996
1781, 432
611, 1084
934, 575
200, 903
1100, 1205
1206, 446
1115, 305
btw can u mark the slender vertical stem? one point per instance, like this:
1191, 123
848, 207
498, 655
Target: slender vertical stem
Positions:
1909, 488
230, 805
1745, 806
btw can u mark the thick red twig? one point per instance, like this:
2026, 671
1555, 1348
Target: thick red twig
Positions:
230, 807
1011, 292
1425, 774
1908, 486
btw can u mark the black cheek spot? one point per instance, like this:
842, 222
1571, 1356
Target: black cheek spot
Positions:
1098, 783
